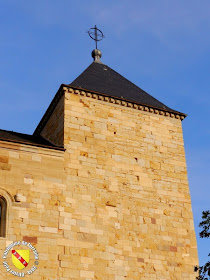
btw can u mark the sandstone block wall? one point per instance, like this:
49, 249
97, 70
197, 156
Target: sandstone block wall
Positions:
131, 200
54, 129
115, 205
38, 175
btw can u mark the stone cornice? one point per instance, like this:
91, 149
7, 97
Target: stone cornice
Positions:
105, 98
123, 102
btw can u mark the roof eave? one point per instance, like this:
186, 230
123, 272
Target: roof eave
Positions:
126, 100
61, 91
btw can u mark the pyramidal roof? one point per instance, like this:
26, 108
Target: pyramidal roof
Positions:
97, 78
100, 78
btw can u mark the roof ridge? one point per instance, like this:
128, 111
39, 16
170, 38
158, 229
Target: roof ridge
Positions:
84, 71
15, 132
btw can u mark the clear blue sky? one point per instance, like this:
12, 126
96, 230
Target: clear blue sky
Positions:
162, 46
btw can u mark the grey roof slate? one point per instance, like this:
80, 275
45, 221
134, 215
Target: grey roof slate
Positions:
101, 78
11, 136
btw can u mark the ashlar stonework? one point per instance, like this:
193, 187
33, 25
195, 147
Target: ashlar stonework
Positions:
114, 204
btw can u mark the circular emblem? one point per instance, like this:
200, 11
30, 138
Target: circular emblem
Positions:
20, 258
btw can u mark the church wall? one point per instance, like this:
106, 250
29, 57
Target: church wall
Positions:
130, 208
115, 205
37, 174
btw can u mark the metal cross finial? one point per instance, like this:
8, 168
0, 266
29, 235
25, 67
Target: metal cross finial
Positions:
96, 34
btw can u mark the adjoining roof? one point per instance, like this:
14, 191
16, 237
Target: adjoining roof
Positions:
26, 139
101, 78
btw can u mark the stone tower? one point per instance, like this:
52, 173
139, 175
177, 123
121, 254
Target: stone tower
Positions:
100, 189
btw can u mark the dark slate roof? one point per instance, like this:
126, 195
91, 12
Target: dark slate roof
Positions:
101, 78
27, 139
